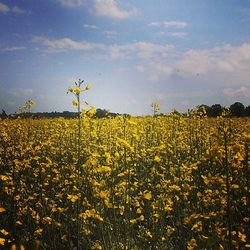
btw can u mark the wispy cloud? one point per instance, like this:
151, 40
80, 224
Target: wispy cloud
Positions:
170, 24
241, 92
179, 34
18, 10
89, 26
226, 58
10, 49
163, 60
6, 9
224, 65
20, 92
175, 24
64, 44
110, 33
143, 50
155, 24
110, 8
72, 3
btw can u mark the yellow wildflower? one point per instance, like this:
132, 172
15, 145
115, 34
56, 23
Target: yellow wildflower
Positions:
147, 196
2, 209
4, 232
75, 103
2, 241
157, 159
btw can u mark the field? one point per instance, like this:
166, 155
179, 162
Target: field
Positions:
164, 182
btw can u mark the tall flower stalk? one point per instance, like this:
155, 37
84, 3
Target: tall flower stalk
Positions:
156, 108
77, 90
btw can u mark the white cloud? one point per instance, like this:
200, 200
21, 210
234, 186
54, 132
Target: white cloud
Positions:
20, 92
72, 3
163, 69
110, 33
110, 8
155, 24
89, 26
169, 24
241, 92
6, 9
10, 49
142, 50
225, 66
175, 24
140, 68
64, 44
223, 59
18, 10
179, 34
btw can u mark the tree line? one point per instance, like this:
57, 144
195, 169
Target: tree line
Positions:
235, 110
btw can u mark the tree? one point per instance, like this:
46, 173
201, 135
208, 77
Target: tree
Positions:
3, 115
216, 110
247, 111
100, 113
237, 109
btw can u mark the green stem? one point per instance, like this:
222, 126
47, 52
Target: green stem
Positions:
228, 194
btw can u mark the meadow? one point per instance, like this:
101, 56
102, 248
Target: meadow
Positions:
163, 182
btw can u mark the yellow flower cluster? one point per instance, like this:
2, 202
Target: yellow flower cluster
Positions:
163, 182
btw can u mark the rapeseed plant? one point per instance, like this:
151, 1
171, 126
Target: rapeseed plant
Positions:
125, 182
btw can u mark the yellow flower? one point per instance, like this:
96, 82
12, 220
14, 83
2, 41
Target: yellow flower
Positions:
3, 177
96, 246
73, 198
77, 91
47, 220
147, 196
141, 218
75, 103
91, 112
132, 221
221, 247
38, 232
13, 247
98, 217
242, 237
104, 169
2, 209
4, 232
2, 241
149, 234
191, 244
157, 158
138, 211
88, 87
70, 89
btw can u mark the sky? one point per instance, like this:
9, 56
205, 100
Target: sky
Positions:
179, 53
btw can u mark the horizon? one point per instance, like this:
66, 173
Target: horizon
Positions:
160, 112
131, 53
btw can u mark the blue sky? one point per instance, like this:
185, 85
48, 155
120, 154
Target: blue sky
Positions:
180, 53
